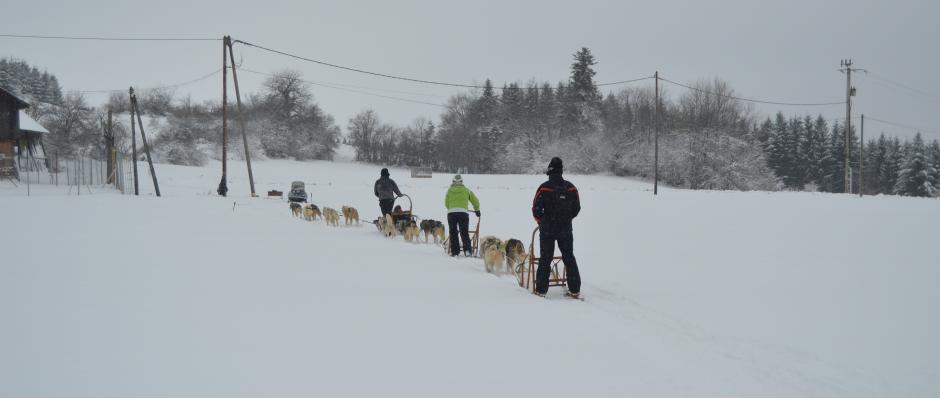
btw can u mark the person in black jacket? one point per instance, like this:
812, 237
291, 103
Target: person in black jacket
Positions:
386, 190
556, 203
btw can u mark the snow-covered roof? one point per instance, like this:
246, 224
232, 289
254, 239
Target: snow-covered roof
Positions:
22, 102
28, 124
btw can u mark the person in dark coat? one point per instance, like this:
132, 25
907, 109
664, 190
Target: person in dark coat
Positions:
386, 190
556, 204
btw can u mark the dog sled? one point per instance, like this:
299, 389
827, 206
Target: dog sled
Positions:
401, 217
525, 271
474, 241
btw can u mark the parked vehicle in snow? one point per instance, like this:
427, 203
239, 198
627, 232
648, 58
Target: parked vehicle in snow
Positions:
298, 192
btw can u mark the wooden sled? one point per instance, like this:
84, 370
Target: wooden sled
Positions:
474, 241
525, 271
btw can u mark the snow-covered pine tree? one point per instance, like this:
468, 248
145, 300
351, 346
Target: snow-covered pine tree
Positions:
933, 152
894, 158
918, 176
777, 151
583, 89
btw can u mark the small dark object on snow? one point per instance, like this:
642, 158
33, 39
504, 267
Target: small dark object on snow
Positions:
275, 193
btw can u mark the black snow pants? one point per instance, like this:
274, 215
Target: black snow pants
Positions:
386, 205
548, 235
459, 221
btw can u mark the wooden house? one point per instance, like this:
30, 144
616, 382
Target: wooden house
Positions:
19, 134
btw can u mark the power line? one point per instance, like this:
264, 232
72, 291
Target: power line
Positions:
352, 90
754, 100
902, 86
624, 81
901, 125
356, 86
188, 82
101, 38
389, 76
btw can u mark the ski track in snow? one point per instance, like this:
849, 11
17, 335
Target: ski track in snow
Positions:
686, 295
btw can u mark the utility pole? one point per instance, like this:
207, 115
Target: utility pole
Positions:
241, 117
656, 137
846, 67
134, 145
223, 185
143, 136
109, 136
847, 64
861, 159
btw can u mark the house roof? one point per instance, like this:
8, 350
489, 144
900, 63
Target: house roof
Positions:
21, 103
28, 124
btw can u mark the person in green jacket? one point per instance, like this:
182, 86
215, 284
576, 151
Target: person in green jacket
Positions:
457, 218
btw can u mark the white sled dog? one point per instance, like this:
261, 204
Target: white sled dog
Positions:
493, 251
331, 216
388, 226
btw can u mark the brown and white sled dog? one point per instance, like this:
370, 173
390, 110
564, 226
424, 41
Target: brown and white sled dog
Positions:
438, 233
350, 214
488, 241
388, 226
331, 216
492, 251
411, 232
494, 254
515, 254
296, 209
432, 227
311, 212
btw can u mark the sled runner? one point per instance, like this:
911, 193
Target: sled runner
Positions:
525, 271
474, 241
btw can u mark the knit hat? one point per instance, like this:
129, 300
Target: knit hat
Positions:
384, 173
555, 166
458, 179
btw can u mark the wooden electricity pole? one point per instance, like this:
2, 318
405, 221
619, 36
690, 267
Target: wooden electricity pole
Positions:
134, 145
861, 159
109, 137
241, 116
656, 136
143, 137
223, 185
849, 93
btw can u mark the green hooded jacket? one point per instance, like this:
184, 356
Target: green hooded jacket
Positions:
457, 198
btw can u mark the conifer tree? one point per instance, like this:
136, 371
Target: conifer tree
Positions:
918, 176
583, 89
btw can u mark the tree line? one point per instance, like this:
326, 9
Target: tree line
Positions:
707, 140
807, 153
282, 120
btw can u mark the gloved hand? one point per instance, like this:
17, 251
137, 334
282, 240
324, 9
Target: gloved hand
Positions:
399, 195
477, 212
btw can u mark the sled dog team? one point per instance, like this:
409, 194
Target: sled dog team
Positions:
554, 207
311, 212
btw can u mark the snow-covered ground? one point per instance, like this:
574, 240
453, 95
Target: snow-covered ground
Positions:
689, 294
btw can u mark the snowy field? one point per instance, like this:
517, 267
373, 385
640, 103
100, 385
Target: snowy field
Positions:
688, 294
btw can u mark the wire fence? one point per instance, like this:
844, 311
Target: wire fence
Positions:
82, 174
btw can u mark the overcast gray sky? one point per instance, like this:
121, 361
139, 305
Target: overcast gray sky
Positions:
777, 50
